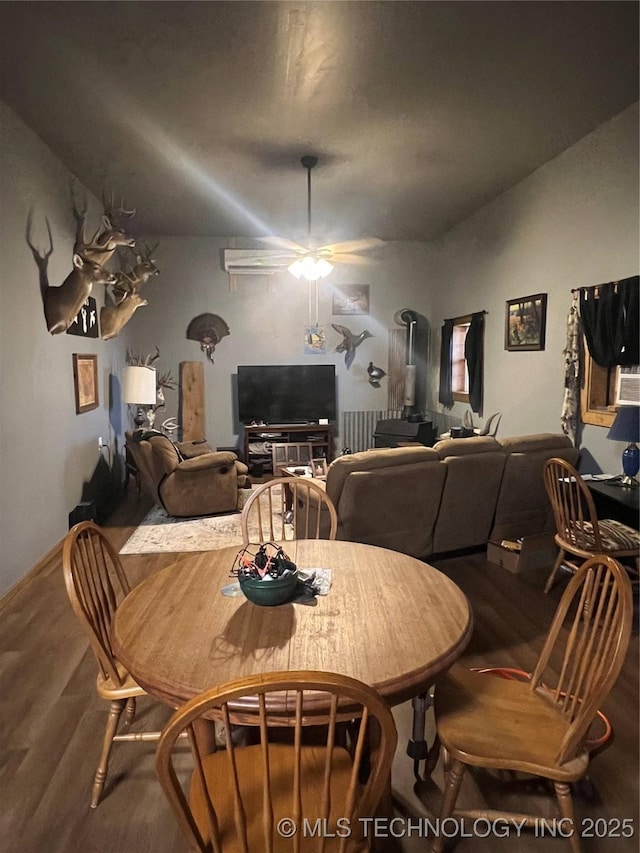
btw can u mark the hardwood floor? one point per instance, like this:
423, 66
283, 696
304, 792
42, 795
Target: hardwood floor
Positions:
52, 725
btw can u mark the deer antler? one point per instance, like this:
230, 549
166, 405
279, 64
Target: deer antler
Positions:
166, 380
151, 358
112, 212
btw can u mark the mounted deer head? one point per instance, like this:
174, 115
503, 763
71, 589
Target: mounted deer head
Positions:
108, 237
126, 294
61, 304
134, 279
113, 316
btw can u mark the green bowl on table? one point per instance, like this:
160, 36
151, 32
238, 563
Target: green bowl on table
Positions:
268, 593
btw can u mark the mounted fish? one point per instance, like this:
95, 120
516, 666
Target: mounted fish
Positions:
208, 330
349, 343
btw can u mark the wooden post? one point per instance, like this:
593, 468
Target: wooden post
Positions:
191, 400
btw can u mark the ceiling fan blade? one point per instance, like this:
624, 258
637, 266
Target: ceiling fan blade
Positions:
283, 243
345, 258
354, 245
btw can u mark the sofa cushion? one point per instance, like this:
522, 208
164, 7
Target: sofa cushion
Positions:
393, 507
372, 460
469, 497
535, 443
466, 446
523, 507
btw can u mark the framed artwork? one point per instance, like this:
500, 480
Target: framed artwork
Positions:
319, 468
314, 340
85, 380
86, 321
351, 299
525, 322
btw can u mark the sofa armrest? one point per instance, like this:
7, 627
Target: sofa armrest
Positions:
218, 459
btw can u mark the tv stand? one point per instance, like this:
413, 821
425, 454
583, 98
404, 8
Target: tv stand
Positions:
321, 436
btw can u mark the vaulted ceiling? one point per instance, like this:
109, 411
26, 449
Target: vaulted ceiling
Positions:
420, 112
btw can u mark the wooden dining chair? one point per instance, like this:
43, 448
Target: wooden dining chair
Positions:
96, 584
579, 531
284, 453
541, 727
238, 796
288, 508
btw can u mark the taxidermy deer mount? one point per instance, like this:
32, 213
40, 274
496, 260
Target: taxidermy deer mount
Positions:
163, 381
125, 299
62, 303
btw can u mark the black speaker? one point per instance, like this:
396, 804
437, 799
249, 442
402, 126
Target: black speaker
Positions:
85, 511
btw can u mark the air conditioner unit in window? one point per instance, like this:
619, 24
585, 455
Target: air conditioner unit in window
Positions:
628, 386
254, 261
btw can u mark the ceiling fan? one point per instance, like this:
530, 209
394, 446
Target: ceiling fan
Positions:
313, 263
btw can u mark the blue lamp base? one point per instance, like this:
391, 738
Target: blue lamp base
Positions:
630, 464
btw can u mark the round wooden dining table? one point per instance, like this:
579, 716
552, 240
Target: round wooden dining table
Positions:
388, 620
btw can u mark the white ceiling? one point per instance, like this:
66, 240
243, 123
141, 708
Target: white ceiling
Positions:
420, 112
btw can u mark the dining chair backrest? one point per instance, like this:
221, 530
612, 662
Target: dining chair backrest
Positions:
574, 511
238, 796
285, 453
288, 508
96, 584
589, 650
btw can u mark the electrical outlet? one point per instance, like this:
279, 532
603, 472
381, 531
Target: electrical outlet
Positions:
100, 442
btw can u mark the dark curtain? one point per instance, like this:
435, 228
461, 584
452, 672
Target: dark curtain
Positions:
445, 394
474, 355
610, 322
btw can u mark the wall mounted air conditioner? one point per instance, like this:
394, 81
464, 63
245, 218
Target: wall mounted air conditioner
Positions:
254, 261
628, 386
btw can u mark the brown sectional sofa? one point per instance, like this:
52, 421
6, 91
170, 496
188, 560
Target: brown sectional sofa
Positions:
458, 494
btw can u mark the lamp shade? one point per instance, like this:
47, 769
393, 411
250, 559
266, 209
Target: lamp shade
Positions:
139, 385
626, 426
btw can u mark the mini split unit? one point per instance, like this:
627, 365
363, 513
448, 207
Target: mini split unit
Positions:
254, 261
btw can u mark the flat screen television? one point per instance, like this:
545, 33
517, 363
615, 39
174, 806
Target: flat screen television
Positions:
286, 393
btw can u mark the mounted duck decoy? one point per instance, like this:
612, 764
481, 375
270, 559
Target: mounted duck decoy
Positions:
375, 375
349, 343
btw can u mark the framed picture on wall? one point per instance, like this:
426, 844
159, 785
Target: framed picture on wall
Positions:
351, 299
525, 323
85, 380
319, 468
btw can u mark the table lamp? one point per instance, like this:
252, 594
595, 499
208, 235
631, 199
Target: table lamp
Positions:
626, 427
139, 389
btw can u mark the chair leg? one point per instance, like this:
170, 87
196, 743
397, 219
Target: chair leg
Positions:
130, 711
115, 711
554, 571
565, 801
449, 798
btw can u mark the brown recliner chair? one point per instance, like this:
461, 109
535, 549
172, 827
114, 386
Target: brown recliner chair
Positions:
205, 484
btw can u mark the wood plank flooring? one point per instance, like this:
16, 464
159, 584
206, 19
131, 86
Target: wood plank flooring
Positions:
52, 725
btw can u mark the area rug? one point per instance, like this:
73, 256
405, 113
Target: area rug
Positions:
158, 533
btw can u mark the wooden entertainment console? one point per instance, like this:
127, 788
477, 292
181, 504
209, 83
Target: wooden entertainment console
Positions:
320, 435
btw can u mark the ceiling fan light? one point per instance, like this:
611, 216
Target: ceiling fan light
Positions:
323, 267
296, 268
310, 268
